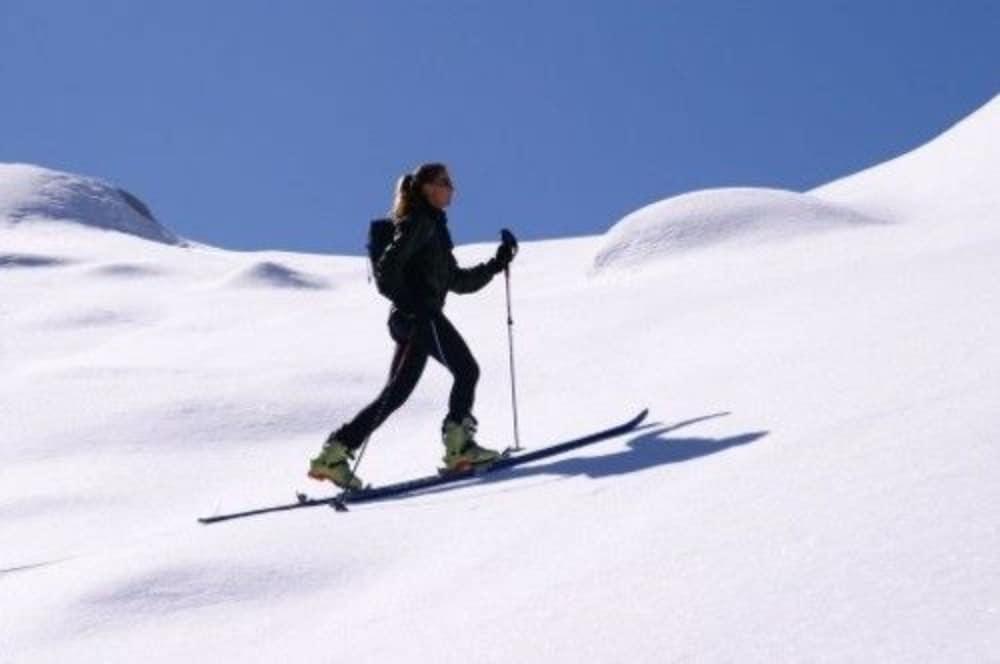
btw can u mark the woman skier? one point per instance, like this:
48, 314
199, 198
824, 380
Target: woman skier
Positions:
416, 271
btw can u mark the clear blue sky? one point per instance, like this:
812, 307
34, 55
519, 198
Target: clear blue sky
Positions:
283, 125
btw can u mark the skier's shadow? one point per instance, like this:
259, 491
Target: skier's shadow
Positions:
650, 449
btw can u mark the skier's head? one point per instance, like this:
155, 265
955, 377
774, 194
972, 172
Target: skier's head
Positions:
429, 183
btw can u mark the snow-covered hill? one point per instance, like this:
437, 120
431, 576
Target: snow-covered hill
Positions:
34, 195
817, 481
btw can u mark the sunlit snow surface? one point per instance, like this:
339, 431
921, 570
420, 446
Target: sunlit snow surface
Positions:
817, 481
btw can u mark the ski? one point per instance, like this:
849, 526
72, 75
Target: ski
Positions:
367, 494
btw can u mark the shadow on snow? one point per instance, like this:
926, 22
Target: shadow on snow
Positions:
651, 448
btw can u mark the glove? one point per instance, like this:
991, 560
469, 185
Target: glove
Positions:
506, 251
505, 254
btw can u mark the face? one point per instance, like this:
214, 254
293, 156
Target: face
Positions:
439, 190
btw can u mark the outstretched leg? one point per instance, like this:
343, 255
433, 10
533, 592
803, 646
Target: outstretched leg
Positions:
408, 364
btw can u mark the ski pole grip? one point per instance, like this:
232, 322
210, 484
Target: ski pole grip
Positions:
508, 238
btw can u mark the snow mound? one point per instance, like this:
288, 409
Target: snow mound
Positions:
719, 217
954, 176
32, 194
268, 274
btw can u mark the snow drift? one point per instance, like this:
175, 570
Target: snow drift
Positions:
32, 194
719, 217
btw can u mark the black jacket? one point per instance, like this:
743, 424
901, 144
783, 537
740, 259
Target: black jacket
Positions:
418, 267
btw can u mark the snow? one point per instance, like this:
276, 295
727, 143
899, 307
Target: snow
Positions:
268, 274
817, 481
32, 195
951, 180
719, 217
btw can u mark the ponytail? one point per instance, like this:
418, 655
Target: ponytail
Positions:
409, 191
406, 183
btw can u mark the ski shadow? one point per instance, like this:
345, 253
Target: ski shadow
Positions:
651, 448
646, 451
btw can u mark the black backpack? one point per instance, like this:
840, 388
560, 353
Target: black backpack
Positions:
380, 234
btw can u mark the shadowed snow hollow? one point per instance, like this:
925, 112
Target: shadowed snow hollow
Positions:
32, 194
719, 217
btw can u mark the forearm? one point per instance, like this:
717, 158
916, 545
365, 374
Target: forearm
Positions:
470, 280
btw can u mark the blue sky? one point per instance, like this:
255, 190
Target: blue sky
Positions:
265, 125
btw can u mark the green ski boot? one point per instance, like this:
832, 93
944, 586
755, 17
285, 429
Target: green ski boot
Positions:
332, 464
461, 450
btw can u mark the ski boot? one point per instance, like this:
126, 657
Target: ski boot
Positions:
332, 464
462, 453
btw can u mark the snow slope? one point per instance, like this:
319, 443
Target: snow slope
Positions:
951, 180
817, 481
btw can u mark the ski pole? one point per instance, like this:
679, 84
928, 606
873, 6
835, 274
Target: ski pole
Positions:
508, 238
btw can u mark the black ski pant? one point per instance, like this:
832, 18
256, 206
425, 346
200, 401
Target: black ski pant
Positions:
416, 340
